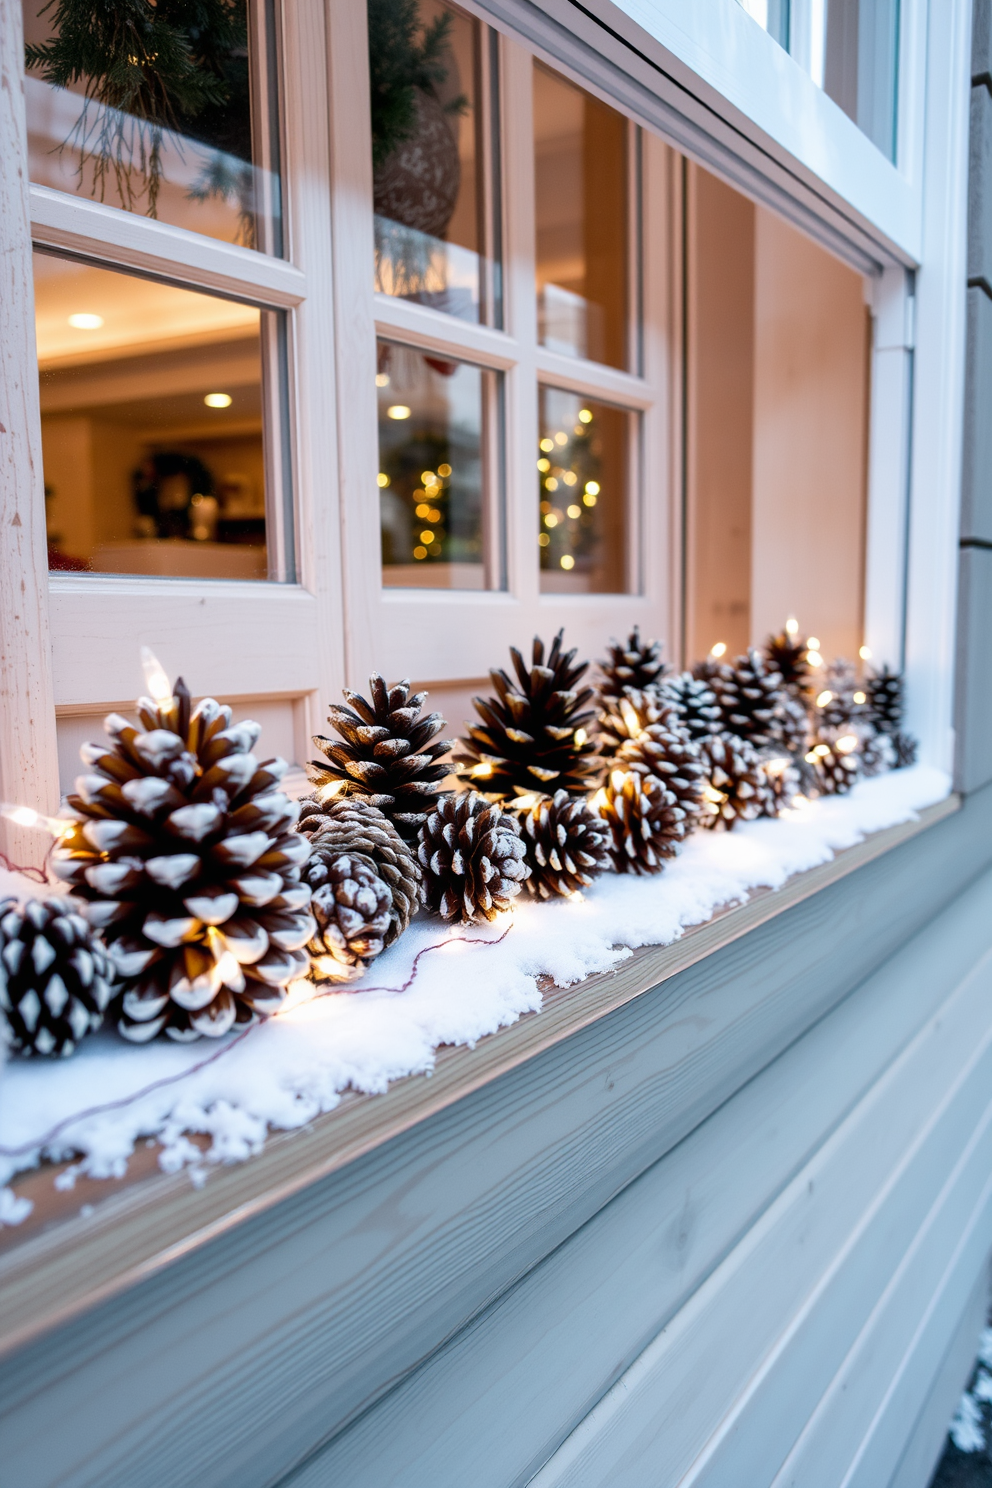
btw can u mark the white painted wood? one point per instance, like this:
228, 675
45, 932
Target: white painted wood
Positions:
28, 758
888, 461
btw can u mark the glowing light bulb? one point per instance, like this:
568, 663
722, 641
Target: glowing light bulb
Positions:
382, 379
156, 677
85, 321
592, 488
792, 626
599, 800
720, 649
566, 561
824, 699
580, 736
444, 471
26, 816
561, 438
547, 445
860, 697
330, 790
585, 416
617, 779
865, 653
847, 743
574, 511
218, 400
814, 658
551, 520
398, 411
481, 772
812, 644
382, 480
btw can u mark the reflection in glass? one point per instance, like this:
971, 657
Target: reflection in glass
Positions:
583, 465
426, 85
165, 110
580, 173
151, 424
432, 484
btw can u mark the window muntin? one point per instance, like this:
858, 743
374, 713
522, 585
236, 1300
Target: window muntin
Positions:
582, 222
435, 481
433, 85
152, 415
584, 477
178, 122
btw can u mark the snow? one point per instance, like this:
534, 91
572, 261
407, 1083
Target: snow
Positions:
437, 985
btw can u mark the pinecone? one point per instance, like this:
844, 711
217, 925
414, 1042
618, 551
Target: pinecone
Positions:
906, 749
791, 726
350, 824
566, 844
840, 711
750, 696
387, 754
695, 702
533, 733
785, 781
835, 770
787, 656
886, 701
184, 852
737, 787
637, 664
628, 714
472, 856
646, 821
876, 755
641, 732
55, 977
353, 908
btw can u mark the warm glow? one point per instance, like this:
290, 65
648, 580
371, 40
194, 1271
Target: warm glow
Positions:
156, 677
616, 779
585, 416
598, 801
580, 736
860, 697
570, 478
382, 480
547, 445
481, 772
574, 511
720, 649
778, 766
552, 483
820, 750
865, 653
592, 488
792, 626
26, 816
543, 540
419, 553
551, 520
85, 322
589, 499
444, 471
427, 476
218, 400
711, 794
382, 379
566, 560
814, 658
544, 464
847, 744
812, 643
561, 438
330, 790
824, 699
427, 537
398, 411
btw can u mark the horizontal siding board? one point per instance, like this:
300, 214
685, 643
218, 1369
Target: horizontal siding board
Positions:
543, 1355
265, 1342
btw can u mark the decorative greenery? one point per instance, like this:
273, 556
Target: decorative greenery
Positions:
403, 56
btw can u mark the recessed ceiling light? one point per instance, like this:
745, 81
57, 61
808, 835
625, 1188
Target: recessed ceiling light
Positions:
86, 322
218, 400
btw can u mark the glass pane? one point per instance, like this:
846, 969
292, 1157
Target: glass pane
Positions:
580, 176
151, 425
164, 110
433, 415
584, 478
428, 183
778, 394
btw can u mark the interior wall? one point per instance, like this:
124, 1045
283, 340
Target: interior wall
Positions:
811, 345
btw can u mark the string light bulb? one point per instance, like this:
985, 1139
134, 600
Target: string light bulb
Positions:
156, 677
824, 699
720, 649
865, 653
847, 744
792, 626
26, 816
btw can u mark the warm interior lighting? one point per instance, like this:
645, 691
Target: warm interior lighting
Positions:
398, 411
592, 488
865, 653
427, 537
544, 464
156, 677
382, 379
588, 499
792, 626
720, 649
551, 520
824, 699
551, 483
444, 471
83, 321
544, 540
814, 658
566, 561
382, 480
585, 416
574, 511
419, 552
218, 400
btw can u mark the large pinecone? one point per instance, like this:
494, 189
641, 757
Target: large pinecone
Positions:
646, 820
787, 656
791, 726
641, 731
472, 856
350, 824
834, 770
737, 787
637, 664
353, 908
533, 735
749, 696
185, 855
886, 701
695, 702
55, 977
387, 753
566, 844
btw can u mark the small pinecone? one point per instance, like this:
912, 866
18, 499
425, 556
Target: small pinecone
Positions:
637, 664
646, 821
875, 755
353, 908
840, 713
787, 656
55, 977
350, 824
886, 701
472, 856
785, 781
835, 771
791, 726
387, 753
627, 715
533, 733
738, 787
906, 749
185, 855
641, 732
566, 844
695, 702
749, 696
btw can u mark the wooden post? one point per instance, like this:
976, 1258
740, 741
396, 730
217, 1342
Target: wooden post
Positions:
28, 754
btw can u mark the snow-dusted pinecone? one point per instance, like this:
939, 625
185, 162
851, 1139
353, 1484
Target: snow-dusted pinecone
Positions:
906, 748
647, 824
737, 785
886, 704
875, 755
566, 844
641, 731
750, 697
787, 656
626, 716
790, 727
353, 908
836, 771
840, 712
55, 977
472, 857
350, 824
695, 702
184, 854
635, 664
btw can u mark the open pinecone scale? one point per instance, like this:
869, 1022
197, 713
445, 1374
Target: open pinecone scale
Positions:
183, 854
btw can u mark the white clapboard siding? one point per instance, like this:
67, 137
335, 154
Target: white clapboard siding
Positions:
543, 1355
